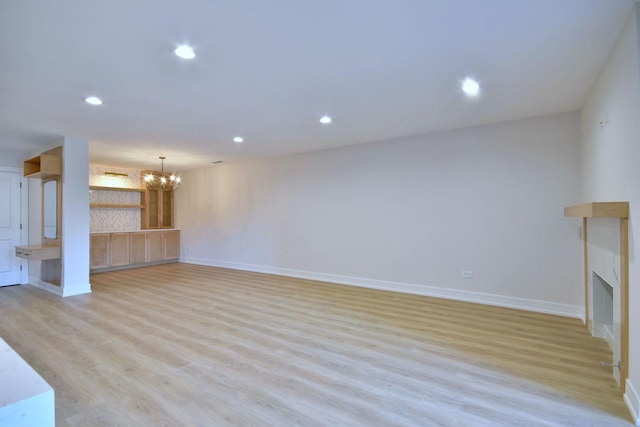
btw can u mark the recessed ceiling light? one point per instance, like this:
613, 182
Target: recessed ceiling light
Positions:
185, 52
238, 139
93, 100
325, 120
470, 87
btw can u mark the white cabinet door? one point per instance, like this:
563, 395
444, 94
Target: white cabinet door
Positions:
9, 228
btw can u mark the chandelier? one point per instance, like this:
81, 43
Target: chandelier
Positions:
165, 180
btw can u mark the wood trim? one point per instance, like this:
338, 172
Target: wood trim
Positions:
58, 240
599, 210
585, 250
624, 302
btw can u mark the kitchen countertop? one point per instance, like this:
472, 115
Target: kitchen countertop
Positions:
25, 398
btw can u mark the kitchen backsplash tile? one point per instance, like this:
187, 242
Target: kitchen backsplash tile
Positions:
114, 219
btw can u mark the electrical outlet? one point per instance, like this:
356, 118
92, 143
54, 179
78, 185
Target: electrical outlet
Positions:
286, 257
467, 274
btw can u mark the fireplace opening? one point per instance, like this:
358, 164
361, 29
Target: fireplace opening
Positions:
603, 310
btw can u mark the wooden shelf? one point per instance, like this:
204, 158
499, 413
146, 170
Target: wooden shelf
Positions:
111, 205
599, 210
97, 187
46, 165
38, 252
115, 205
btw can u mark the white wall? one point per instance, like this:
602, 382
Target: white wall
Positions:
609, 163
12, 158
407, 214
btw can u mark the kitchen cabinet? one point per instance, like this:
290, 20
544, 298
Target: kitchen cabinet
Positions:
171, 244
137, 247
133, 249
99, 254
155, 246
118, 249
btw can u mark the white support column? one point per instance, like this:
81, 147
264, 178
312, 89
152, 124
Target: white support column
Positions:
75, 217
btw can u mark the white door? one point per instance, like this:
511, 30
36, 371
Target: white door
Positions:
9, 228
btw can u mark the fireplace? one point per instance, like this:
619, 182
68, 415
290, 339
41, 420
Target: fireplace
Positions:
605, 236
602, 309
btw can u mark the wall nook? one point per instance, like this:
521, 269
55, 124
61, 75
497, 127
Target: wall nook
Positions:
48, 168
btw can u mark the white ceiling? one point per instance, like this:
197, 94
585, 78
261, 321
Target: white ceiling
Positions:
267, 70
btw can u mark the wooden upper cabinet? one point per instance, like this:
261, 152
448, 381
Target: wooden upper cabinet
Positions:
46, 165
157, 211
166, 213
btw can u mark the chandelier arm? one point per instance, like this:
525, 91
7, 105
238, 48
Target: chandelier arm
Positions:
171, 183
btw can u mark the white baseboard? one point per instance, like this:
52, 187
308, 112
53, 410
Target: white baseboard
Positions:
409, 288
601, 330
608, 336
59, 290
56, 290
68, 291
632, 399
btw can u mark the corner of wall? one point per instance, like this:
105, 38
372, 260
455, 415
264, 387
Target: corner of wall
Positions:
75, 217
69, 291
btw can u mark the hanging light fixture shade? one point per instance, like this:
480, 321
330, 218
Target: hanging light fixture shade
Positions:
162, 179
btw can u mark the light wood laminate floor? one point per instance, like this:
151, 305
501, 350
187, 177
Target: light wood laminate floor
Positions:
186, 345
